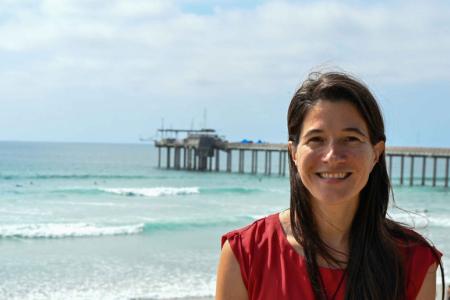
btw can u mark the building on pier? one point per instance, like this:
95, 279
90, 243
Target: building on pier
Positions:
197, 147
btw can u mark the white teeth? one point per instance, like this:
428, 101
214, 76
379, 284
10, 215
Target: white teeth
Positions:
333, 175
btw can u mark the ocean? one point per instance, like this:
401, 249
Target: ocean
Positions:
100, 221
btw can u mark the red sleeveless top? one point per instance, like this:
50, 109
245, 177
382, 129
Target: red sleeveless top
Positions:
272, 269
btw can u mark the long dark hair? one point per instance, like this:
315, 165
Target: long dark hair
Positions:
374, 268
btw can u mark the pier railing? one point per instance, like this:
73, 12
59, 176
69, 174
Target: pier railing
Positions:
406, 165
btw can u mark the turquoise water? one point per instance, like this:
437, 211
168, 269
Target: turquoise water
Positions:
99, 221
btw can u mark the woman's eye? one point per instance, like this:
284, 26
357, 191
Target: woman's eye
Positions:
352, 139
315, 140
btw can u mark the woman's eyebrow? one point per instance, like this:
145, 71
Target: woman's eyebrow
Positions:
355, 130
312, 131
348, 129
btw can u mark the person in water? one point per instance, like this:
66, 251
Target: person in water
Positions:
335, 241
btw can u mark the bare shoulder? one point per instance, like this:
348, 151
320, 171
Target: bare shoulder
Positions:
428, 289
285, 220
229, 279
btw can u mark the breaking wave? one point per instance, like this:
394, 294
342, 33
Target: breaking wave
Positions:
76, 230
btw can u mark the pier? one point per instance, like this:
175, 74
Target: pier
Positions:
419, 161
202, 150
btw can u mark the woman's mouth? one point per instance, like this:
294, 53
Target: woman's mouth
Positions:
334, 175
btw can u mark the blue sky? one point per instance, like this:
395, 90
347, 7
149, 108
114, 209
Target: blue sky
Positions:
109, 71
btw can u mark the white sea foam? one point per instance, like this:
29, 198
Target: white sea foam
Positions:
54, 230
421, 219
440, 221
25, 212
89, 203
417, 220
153, 192
97, 285
256, 217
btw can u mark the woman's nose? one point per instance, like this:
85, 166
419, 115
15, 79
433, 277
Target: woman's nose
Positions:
334, 153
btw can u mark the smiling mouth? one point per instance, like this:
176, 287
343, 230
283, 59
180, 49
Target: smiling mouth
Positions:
335, 175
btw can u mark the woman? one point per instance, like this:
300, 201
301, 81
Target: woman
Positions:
335, 241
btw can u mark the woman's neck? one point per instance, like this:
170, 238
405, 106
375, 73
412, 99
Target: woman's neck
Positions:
334, 223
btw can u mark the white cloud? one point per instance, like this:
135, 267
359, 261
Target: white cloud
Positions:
273, 42
163, 50
142, 8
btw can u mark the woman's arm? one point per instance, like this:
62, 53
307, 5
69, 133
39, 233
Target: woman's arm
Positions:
230, 285
428, 289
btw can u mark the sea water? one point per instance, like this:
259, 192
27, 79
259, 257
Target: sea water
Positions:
100, 221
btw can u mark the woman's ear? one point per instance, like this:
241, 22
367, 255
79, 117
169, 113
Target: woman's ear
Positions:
378, 149
292, 149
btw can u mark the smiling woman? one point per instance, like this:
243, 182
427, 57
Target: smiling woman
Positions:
335, 241
334, 156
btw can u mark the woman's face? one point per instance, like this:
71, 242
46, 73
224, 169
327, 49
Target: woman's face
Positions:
334, 156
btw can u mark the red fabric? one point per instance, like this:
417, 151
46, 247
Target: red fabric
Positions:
272, 269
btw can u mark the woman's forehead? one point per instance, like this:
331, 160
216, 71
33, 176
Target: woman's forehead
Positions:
333, 115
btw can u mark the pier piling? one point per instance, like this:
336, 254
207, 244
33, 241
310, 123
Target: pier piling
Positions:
195, 159
402, 165
241, 161
280, 161
177, 158
268, 167
217, 160
265, 162
254, 161
446, 171
411, 173
270, 162
159, 157
168, 157
228, 161
188, 158
434, 170
424, 168
390, 166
